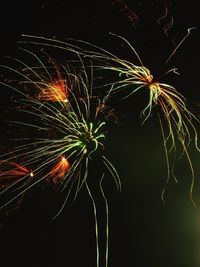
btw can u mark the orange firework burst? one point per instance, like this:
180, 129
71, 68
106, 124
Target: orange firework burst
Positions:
59, 170
55, 91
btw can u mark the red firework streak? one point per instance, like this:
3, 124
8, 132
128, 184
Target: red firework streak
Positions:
13, 173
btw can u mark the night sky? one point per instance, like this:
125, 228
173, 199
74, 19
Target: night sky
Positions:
143, 231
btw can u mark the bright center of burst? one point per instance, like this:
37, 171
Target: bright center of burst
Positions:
88, 141
154, 86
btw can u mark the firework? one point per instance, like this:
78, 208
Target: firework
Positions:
132, 77
58, 135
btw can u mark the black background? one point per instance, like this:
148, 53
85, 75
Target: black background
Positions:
143, 231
